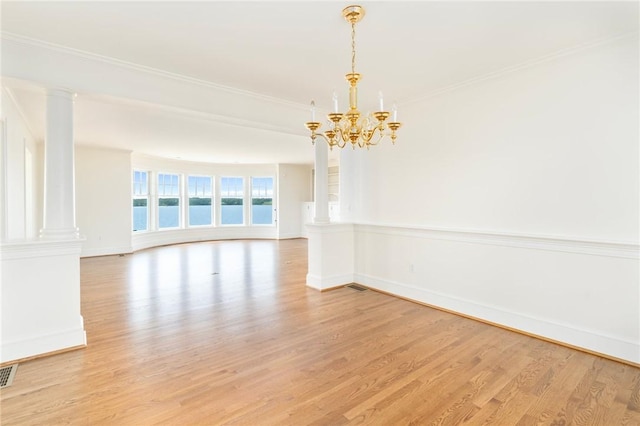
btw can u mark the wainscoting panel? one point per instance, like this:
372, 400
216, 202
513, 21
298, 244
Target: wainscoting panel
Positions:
579, 292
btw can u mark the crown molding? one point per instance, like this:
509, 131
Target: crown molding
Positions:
521, 66
16, 38
13, 100
199, 115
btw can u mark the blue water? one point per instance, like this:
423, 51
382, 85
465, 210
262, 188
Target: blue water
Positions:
199, 215
169, 216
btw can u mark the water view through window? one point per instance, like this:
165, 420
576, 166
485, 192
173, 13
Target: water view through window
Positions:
262, 200
168, 200
140, 201
200, 193
231, 200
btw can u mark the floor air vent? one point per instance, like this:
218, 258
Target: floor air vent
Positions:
357, 287
7, 374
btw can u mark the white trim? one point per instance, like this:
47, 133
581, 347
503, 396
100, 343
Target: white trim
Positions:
587, 339
16, 38
564, 244
106, 251
199, 115
148, 239
329, 228
22, 115
524, 65
43, 344
4, 227
323, 283
39, 248
290, 236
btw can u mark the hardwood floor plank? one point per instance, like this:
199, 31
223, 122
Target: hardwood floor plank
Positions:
228, 333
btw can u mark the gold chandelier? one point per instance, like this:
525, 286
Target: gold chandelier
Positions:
351, 127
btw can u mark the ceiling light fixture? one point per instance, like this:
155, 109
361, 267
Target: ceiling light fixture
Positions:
351, 127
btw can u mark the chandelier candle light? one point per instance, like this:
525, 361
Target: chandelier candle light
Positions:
351, 127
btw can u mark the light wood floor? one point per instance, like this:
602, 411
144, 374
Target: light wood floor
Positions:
227, 333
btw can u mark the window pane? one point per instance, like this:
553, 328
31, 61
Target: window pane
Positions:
168, 212
232, 200
140, 208
140, 214
262, 200
232, 187
140, 183
168, 184
199, 200
262, 187
231, 211
191, 183
199, 211
262, 214
199, 186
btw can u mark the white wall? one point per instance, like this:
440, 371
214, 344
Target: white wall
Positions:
103, 200
293, 189
550, 149
40, 298
22, 216
516, 200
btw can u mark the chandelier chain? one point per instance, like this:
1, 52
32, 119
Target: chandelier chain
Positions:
353, 47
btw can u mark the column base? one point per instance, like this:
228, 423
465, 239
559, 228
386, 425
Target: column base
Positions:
331, 255
60, 234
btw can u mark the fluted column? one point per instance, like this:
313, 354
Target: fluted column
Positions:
59, 169
321, 183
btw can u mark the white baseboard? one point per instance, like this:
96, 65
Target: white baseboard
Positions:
325, 283
38, 345
143, 240
586, 339
107, 251
290, 236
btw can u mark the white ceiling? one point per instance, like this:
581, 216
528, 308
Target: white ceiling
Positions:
290, 51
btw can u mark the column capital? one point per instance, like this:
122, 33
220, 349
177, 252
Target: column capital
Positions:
61, 92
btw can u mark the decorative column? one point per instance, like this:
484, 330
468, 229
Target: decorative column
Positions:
59, 169
321, 183
330, 245
41, 316
347, 184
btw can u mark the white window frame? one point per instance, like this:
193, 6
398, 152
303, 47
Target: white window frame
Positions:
188, 199
135, 196
161, 196
273, 200
243, 198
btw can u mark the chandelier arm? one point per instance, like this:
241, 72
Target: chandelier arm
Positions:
381, 136
343, 133
315, 135
367, 136
330, 141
